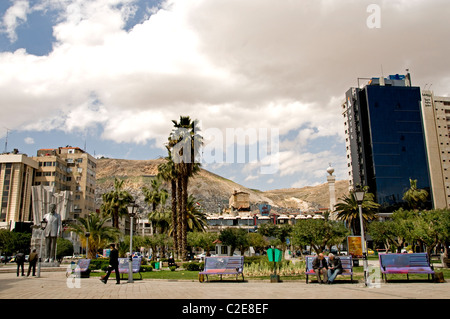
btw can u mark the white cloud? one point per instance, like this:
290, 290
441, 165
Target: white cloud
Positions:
29, 140
13, 17
231, 64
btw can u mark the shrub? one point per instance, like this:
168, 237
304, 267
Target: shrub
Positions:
173, 268
194, 266
146, 268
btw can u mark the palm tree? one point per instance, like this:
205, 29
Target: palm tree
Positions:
348, 210
184, 143
160, 220
167, 172
115, 202
196, 219
414, 196
155, 195
99, 234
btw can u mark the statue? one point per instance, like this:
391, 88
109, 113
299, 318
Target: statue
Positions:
51, 232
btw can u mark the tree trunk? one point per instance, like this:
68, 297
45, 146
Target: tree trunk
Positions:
179, 217
184, 217
174, 218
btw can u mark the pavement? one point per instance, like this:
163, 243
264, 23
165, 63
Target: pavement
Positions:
53, 284
230, 298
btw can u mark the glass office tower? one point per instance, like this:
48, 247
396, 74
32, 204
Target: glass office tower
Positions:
386, 138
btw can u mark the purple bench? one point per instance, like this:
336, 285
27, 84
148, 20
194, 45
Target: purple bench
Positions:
346, 261
223, 266
416, 263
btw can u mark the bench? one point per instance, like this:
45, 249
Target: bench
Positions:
135, 266
83, 265
81, 268
223, 266
346, 261
415, 263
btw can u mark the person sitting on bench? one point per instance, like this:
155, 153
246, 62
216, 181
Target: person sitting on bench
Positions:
171, 262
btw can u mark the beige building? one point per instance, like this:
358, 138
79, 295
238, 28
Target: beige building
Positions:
239, 201
69, 169
16, 178
436, 119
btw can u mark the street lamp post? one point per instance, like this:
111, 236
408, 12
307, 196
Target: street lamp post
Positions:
43, 226
132, 209
87, 234
359, 196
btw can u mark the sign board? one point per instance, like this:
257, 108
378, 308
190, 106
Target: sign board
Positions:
274, 254
354, 244
264, 209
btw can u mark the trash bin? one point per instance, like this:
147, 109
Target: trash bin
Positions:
157, 265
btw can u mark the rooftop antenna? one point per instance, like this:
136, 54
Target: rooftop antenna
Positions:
382, 77
6, 139
408, 77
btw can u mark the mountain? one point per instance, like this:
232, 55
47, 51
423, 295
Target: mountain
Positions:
212, 191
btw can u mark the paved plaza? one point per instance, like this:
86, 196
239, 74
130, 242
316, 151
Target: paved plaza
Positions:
54, 285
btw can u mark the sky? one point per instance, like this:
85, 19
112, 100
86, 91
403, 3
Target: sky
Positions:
109, 76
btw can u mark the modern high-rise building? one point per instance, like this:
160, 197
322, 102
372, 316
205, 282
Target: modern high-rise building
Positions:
69, 169
436, 114
16, 178
385, 138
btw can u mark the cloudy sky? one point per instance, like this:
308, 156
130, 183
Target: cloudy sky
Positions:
110, 75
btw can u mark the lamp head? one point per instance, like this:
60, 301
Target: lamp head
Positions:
359, 195
132, 209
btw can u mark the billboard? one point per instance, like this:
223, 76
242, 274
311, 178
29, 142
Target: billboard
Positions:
354, 244
264, 209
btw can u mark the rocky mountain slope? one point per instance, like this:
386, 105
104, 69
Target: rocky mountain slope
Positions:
212, 191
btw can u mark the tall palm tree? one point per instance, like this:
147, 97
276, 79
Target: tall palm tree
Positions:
99, 234
115, 202
185, 143
167, 172
347, 209
414, 196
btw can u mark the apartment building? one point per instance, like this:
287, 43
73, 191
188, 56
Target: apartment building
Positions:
69, 169
436, 115
16, 178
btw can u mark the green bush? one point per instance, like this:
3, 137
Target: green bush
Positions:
146, 268
97, 264
173, 268
194, 266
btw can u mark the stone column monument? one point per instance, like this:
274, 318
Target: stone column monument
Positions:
331, 186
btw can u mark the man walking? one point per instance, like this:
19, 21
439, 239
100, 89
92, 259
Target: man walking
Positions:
113, 265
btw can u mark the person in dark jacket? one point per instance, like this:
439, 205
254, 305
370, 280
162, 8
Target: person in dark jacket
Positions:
32, 260
20, 260
113, 265
320, 267
334, 268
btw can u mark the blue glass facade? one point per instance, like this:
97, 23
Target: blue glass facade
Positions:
388, 144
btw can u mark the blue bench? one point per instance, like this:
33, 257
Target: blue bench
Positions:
135, 266
346, 261
81, 268
416, 263
223, 266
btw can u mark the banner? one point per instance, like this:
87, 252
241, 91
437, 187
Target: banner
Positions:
354, 244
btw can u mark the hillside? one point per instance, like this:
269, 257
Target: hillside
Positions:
213, 191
